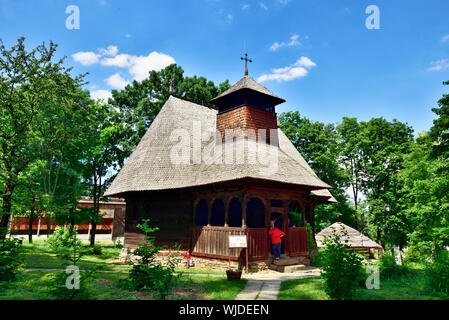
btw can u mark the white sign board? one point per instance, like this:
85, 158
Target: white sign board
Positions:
237, 241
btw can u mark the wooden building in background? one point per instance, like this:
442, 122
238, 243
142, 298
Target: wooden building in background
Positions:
112, 211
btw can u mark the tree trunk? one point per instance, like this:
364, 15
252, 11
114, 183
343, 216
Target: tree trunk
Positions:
30, 225
95, 211
92, 234
48, 226
6, 215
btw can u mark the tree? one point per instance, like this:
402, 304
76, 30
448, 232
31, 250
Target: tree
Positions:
101, 153
27, 81
425, 181
28, 193
317, 143
349, 139
383, 146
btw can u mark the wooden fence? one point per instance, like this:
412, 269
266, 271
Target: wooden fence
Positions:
213, 242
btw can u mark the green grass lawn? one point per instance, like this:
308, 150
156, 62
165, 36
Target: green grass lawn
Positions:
39, 255
409, 287
33, 285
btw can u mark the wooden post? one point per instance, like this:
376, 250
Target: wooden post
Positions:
38, 227
246, 254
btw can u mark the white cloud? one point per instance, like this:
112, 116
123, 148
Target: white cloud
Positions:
445, 38
141, 66
439, 65
116, 81
245, 6
305, 62
293, 42
122, 60
263, 5
86, 58
291, 72
101, 94
128, 35
138, 66
109, 51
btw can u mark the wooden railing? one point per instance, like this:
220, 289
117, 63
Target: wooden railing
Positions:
297, 242
213, 242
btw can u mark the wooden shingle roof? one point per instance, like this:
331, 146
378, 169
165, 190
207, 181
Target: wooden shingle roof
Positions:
150, 167
248, 83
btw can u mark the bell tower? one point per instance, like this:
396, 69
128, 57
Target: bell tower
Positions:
247, 105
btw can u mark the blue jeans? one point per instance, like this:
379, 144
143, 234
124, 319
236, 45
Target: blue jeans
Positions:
276, 250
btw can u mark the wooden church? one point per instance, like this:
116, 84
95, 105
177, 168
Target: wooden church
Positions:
198, 204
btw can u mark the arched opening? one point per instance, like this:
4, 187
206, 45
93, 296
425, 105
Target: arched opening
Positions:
201, 215
255, 213
295, 214
218, 213
235, 213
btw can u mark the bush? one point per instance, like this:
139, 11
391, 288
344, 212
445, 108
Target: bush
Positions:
61, 238
148, 274
96, 250
438, 274
10, 260
118, 244
389, 269
342, 269
58, 289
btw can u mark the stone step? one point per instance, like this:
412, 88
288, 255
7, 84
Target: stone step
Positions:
287, 269
287, 261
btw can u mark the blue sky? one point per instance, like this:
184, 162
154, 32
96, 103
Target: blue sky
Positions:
318, 55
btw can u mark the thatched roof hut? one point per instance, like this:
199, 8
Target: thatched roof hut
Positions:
356, 239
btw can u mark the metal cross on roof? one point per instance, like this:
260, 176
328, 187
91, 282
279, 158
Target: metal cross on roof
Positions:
246, 61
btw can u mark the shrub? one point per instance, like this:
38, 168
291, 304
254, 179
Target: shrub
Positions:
70, 250
58, 289
62, 238
10, 259
342, 270
389, 269
148, 274
96, 250
118, 244
438, 274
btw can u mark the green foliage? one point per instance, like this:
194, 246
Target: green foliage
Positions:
438, 274
389, 269
10, 259
62, 238
32, 87
149, 274
96, 250
319, 146
70, 250
118, 244
342, 269
295, 218
58, 290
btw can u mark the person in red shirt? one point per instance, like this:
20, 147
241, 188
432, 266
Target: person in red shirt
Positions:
276, 235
